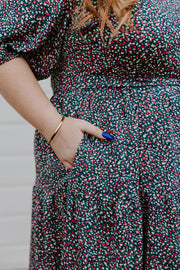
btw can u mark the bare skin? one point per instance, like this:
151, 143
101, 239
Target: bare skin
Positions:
20, 88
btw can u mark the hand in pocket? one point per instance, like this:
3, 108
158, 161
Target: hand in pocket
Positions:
68, 138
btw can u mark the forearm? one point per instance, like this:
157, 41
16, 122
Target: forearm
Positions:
22, 91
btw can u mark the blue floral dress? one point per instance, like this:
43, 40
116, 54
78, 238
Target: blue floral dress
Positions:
118, 206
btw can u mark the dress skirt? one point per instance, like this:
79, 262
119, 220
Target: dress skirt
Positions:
118, 206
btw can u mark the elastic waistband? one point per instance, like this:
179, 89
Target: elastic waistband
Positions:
118, 81
85, 80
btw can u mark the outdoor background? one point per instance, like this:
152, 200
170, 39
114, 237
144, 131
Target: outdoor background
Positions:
17, 176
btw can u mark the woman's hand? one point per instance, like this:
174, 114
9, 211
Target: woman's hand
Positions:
68, 138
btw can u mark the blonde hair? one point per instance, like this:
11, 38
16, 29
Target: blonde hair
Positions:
86, 11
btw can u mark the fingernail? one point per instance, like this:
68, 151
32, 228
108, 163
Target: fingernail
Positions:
107, 135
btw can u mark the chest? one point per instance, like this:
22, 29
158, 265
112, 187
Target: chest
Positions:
156, 37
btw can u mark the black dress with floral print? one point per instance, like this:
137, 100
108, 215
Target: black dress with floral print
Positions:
118, 206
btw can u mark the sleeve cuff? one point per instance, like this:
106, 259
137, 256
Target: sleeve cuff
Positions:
6, 56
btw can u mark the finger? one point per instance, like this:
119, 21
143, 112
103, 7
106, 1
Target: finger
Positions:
91, 129
67, 164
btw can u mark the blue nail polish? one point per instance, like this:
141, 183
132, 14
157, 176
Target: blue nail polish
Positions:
107, 135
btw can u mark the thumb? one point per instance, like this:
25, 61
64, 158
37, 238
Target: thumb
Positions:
92, 129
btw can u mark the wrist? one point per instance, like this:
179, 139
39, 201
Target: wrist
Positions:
57, 129
51, 124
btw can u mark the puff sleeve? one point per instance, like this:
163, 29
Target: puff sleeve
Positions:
34, 29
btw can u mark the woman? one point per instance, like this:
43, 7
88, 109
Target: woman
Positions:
115, 68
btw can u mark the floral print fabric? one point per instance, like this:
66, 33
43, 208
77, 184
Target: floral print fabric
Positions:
118, 206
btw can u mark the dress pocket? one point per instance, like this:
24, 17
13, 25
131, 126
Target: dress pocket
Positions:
57, 164
78, 153
85, 179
